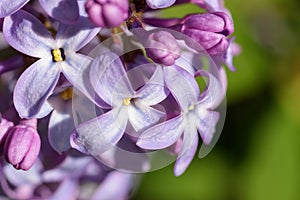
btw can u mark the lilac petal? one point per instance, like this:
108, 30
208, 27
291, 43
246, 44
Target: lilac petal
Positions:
44, 111
207, 124
182, 85
9, 7
68, 189
75, 36
189, 61
155, 4
76, 70
27, 34
65, 11
102, 133
162, 135
189, 148
61, 125
214, 93
154, 91
34, 87
109, 77
142, 116
116, 185
126, 157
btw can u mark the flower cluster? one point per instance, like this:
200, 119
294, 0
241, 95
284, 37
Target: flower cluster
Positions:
92, 89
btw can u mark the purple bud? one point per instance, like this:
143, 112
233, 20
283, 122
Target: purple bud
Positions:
5, 126
209, 30
162, 48
22, 145
107, 13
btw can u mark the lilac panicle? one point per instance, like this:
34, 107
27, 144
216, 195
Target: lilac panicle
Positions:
106, 13
8, 7
113, 86
196, 115
23, 144
155, 4
210, 30
26, 34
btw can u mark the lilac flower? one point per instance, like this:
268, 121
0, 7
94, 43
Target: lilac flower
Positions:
196, 114
161, 46
155, 4
209, 30
105, 13
113, 86
26, 34
22, 145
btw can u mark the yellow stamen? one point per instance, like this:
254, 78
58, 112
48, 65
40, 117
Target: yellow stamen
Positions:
126, 101
192, 107
58, 55
67, 94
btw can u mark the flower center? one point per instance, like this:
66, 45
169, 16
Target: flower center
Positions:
67, 94
58, 55
192, 107
126, 101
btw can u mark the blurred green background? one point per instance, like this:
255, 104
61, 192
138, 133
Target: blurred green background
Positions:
258, 154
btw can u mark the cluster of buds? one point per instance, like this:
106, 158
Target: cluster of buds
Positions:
97, 86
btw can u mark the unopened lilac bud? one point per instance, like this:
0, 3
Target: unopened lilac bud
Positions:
210, 30
162, 48
22, 144
107, 13
5, 126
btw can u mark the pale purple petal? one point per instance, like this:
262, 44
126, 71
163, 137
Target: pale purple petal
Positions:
155, 4
207, 124
27, 34
61, 125
116, 186
34, 87
154, 91
102, 133
162, 135
214, 93
65, 11
109, 78
76, 70
142, 116
44, 111
8, 7
187, 153
182, 85
75, 36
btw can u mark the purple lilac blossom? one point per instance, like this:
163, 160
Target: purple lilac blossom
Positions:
105, 13
26, 34
113, 86
22, 144
8, 7
161, 46
196, 114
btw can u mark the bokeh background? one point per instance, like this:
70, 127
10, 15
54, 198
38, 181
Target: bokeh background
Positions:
258, 154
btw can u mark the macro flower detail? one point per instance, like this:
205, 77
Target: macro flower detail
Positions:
22, 145
113, 86
196, 114
26, 34
8, 7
